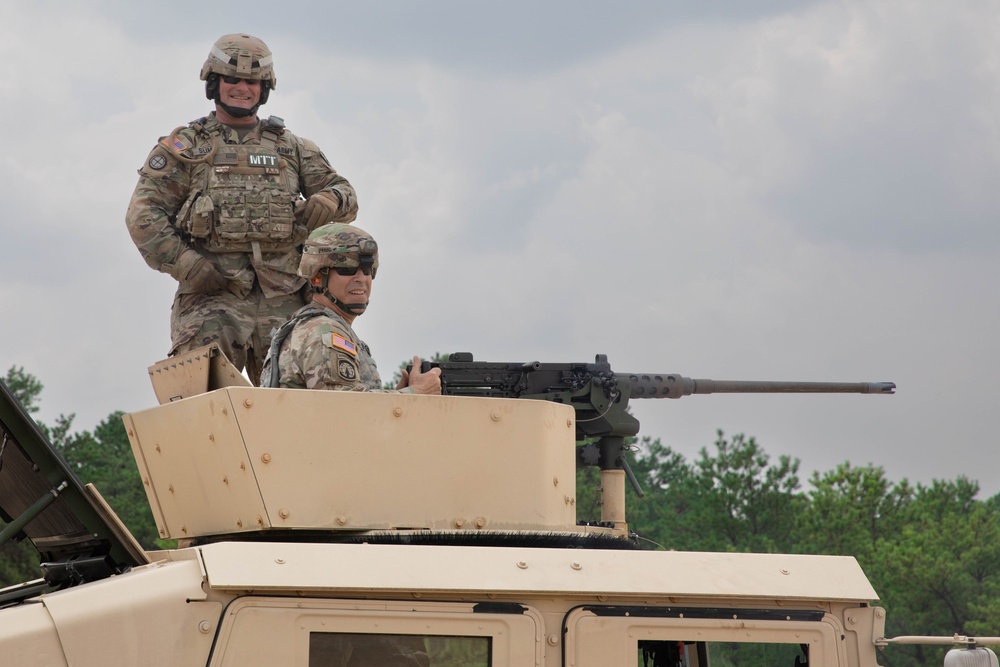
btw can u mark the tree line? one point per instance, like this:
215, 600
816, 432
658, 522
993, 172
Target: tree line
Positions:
932, 552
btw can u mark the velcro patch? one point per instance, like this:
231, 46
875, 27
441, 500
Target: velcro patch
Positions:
347, 369
338, 342
157, 162
178, 145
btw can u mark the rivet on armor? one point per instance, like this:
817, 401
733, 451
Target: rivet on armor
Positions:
157, 447
184, 529
397, 412
130, 432
260, 520
279, 561
555, 481
266, 458
552, 639
576, 566
145, 480
342, 520
480, 522
243, 465
225, 480
569, 423
170, 488
458, 523
495, 415
211, 437
204, 627
522, 564
283, 514
784, 571
248, 402
239, 523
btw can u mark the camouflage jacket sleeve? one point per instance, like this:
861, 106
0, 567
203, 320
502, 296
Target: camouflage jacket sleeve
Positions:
316, 174
323, 353
164, 184
320, 353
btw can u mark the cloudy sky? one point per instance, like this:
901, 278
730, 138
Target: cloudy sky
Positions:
787, 190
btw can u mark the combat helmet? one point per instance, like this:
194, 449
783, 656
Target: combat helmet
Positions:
338, 246
239, 55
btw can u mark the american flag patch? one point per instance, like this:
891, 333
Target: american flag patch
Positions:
178, 145
344, 344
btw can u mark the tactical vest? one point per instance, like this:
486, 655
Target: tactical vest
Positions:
246, 201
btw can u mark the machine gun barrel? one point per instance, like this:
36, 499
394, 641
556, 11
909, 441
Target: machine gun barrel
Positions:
599, 395
675, 386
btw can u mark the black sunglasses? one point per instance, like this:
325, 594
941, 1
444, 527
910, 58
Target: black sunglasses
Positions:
233, 80
351, 270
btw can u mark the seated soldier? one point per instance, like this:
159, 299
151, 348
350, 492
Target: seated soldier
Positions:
317, 348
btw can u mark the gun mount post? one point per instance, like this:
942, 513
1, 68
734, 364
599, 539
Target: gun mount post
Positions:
614, 470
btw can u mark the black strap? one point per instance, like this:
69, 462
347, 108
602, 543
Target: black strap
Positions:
278, 337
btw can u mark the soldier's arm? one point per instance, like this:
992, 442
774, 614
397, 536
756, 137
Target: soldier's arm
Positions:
323, 360
316, 174
163, 185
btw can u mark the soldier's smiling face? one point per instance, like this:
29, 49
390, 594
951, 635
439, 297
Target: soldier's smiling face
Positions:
243, 94
350, 289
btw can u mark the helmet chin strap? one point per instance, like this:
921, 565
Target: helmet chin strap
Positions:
237, 112
356, 308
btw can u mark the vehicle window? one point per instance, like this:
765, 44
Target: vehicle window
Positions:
721, 654
341, 649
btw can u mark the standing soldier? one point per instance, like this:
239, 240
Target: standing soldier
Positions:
224, 204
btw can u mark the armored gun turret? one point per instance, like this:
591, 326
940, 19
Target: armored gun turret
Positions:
336, 528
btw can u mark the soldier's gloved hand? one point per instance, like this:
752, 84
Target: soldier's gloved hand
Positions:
204, 277
320, 209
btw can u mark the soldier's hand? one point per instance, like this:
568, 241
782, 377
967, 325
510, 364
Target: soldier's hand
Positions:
320, 209
422, 383
205, 277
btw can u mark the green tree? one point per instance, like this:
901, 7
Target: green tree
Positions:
940, 573
850, 510
744, 503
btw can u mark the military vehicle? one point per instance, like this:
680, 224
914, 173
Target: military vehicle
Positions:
335, 528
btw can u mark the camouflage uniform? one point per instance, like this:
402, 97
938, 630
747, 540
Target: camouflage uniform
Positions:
236, 207
323, 352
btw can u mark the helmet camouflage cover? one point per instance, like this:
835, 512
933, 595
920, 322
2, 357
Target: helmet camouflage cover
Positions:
338, 245
240, 55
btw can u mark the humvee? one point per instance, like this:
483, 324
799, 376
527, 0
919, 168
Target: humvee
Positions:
324, 529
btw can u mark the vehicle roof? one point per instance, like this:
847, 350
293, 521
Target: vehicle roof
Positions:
277, 567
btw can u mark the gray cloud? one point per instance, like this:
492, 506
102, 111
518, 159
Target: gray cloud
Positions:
796, 192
